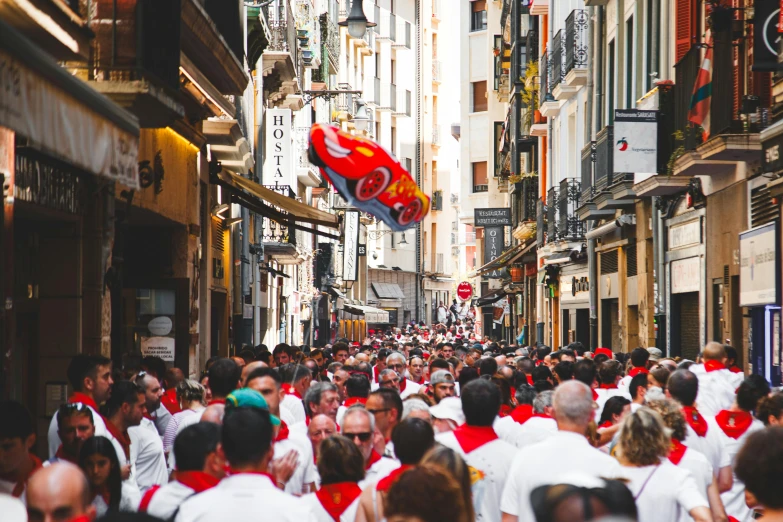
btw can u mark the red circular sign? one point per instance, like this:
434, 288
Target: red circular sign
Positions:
465, 291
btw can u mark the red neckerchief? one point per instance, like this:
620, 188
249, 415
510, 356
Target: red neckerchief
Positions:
735, 369
282, 434
350, 401
403, 384
61, 455
122, 438
335, 498
636, 371
21, 484
677, 452
374, 457
529, 379
170, 402
216, 401
608, 386
386, 482
505, 410
522, 413
734, 423
81, 518
376, 372
595, 394
421, 381
711, 366
198, 481
473, 437
695, 420
290, 390
606, 424
79, 397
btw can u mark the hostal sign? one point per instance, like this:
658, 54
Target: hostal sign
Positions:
278, 166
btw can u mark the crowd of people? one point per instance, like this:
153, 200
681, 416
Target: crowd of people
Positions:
410, 425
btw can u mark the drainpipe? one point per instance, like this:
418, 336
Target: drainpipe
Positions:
596, 57
418, 290
589, 137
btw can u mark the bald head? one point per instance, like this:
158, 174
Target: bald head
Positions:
573, 404
248, 368
714, 352
58, 492
362, 357
214, 414
174, 376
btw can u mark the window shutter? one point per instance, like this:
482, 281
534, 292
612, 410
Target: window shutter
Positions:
684, 28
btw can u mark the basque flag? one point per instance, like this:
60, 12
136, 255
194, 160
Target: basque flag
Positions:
699, 113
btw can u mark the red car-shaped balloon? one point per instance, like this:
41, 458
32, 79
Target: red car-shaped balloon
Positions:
367, 176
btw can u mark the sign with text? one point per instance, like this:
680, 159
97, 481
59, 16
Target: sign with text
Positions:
491, 217
686, 275
759, 268
636, 145
162, 347
685, 234
278, 165
465, 291
766, 35
494, 241
351, 249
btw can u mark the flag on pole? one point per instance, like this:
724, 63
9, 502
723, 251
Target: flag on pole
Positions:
701, 101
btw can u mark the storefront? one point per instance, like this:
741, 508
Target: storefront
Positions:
759, 292
355, 319
686, 293
575, 304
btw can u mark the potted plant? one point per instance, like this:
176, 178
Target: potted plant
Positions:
529, 96
496, 51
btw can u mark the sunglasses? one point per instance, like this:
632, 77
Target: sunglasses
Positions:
379, 410
363, 437
76, 406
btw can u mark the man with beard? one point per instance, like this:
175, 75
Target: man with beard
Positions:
76, 425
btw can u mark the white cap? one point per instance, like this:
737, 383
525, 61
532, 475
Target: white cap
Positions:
449, 408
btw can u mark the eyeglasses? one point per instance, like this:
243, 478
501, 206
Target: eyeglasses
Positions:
379, 410
75, 406
363, 437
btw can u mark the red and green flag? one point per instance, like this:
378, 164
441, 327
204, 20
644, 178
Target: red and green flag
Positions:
701, 101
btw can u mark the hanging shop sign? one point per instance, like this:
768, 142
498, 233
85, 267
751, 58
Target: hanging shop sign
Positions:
636, 148
465, 291
351, 249
491, 217
759, 268
766, 20
278, 167
494, 241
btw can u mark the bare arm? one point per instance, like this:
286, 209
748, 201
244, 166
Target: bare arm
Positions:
725, 479
716, 504
701, 514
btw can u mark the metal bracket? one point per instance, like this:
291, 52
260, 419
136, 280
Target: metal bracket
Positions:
309, 96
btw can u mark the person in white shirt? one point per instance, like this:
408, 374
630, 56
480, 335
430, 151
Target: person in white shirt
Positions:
149, 461
688, 458
108, 492
662, 490
477, 442
321, 399
530, 422
396, 362
341, 467
359, 426
249, 494
199, 468
566, 451
321, 427
703, 433
639, 362
717, 384
296, 379
386, 406
759, 466
609, 375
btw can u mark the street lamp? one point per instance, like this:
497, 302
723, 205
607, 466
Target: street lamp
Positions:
362, 118
402, 240
356, 22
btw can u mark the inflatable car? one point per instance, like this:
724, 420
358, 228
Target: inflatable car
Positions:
367, 176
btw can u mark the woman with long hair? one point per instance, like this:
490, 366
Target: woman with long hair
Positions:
341, 467
426, 493
662, 491
98, 460
456, 467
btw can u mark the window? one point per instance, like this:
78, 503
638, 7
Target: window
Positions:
610, 85
480, 179
377, 64
478, 15
478, 96
629, 60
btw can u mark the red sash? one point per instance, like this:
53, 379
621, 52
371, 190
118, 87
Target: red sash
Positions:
386, 482
335, 498
122, 438
471, 438
283, 433
734, 423
375, 373
22, 483
350, 401
374, 457
696, 421
198, 481
633, 372
677, 452
711, 366
522, 413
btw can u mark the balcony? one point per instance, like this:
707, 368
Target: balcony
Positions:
279, 239
734, 135
576, 49
437, 200
597, 172
280, 64
387, 25
343, 105
402, 38
540, 222
560, 88
387, 102
403, 107
526, 191
308, 174
436, 67
550, 107
436, 143
55, 27
373, 95
330, 41
470, 238
140, 71
569, 226
551, 215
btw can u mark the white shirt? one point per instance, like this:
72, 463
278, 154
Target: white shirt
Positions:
321, 515
734, 499
717, 389
248, 497
711, 445
295, 407
663, 492
54, 438
546, 463
410, 388
378, 471
305, 469
492, 462
533, 431
167, 499
701, 469
147, 457
604, 395
129, 501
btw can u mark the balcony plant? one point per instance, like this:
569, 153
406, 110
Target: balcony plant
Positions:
530, 96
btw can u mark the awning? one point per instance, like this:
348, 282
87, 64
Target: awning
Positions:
64, 117
506, 258
561, 257
285, 211
490, 298
387, 291
370, 313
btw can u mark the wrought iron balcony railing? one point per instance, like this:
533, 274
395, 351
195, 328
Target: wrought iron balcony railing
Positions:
576, 40
529, 197
540, 222
551, 215
557, 57
569, 227
545, 73
273, 231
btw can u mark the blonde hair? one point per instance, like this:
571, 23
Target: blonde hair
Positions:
189, 390
672, 417
643, 438
456, 467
